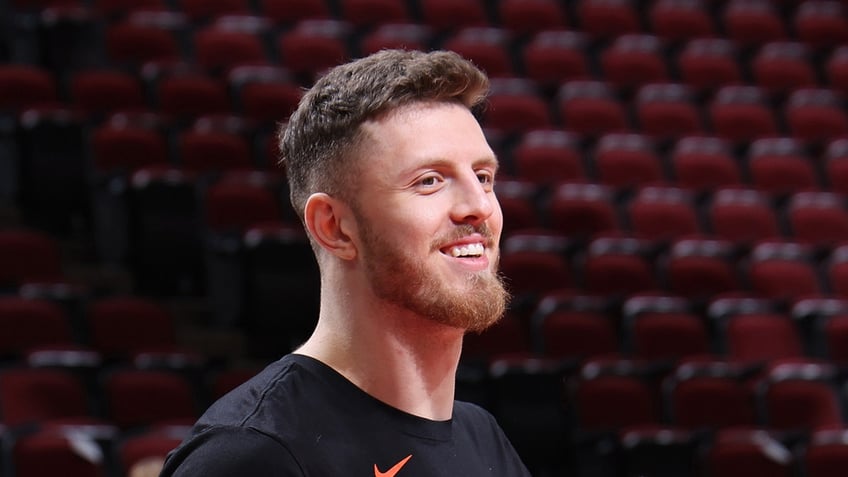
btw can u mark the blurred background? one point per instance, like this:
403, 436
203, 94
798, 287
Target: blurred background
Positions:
673, 180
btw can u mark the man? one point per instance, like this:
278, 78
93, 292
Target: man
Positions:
392, 177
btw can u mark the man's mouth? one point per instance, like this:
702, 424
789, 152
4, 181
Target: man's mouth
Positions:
471, 250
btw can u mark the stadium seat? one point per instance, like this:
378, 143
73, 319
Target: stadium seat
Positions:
748, 450
187, 94
704, 164
742, 215
667, 111
710, 394
627, 160
101, 92
553, 57
782, 269
707, 64
287, 13
205, 10
751, 23
740, 114
604, 19
836, 69
28, 256
821, 24
781, 166
546, 156
825, 454
32, 324
518, 201
230, 42
528, 17
681, 20
448, 15
663, 328
486, 47
634, 60
582, 210
749, 330
817, 217
205, 151
313, 46
700, 268
617, 266
515, 105
800, 396
371, 13
574, 327
783, 66
144, 399
662, 213
535, 263
815, 115
591, 108
407, 36
146, 36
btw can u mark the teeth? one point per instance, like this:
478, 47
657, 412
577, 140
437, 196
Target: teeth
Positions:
471, 250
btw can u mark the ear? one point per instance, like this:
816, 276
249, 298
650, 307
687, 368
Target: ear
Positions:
328, 220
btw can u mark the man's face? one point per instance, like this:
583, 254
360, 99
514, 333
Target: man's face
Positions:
429, 221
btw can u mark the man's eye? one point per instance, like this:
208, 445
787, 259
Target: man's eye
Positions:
485, 177
429, 181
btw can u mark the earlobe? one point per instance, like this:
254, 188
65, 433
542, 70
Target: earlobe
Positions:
326, 220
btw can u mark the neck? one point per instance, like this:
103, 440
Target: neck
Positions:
400, 358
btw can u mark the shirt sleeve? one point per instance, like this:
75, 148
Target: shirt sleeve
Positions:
231, 452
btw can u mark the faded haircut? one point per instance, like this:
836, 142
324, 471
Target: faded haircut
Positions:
319, 145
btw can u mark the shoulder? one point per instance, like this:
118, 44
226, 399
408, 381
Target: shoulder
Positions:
231, 451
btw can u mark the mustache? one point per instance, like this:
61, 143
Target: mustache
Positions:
464, 230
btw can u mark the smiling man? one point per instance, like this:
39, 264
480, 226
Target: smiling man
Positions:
393, 179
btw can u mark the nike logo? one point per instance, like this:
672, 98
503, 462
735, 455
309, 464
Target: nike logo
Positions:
393, 471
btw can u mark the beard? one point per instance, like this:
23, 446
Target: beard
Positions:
406, 282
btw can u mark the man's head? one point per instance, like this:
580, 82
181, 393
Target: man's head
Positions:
320, 144
393, 175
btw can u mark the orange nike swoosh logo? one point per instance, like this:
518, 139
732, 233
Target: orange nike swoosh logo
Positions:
393, 471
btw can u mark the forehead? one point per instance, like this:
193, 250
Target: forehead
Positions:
422, 132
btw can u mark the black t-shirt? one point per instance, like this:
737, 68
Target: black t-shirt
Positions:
300, 417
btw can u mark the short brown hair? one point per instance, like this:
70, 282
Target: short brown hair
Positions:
318, 146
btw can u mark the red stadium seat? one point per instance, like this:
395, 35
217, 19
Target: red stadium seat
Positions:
371, 13
707, 64
264, 93
821, 23
313, 46
189, 94
836, 69
527, 17
138, 399
752, 22
107, 91
780, 166
634, 60
662, 213
701, 268
681, 20
406, 36
516, 106
546, 156
626, 160
486, 47
28, 256
119, 147
818, 217
617, 266
289, 12
591, 108
574, 327
445, 15
782, 270
663, 328
742, 215
145, 36
743, 451
608, 19
826, 453
704, 163
203, 151
710, 394
800, 396
30, 324
556, 56
740, 114
517, 199
582, 210
535, 263
26, 86
780, 67
816, 115
230, 42
667, 111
